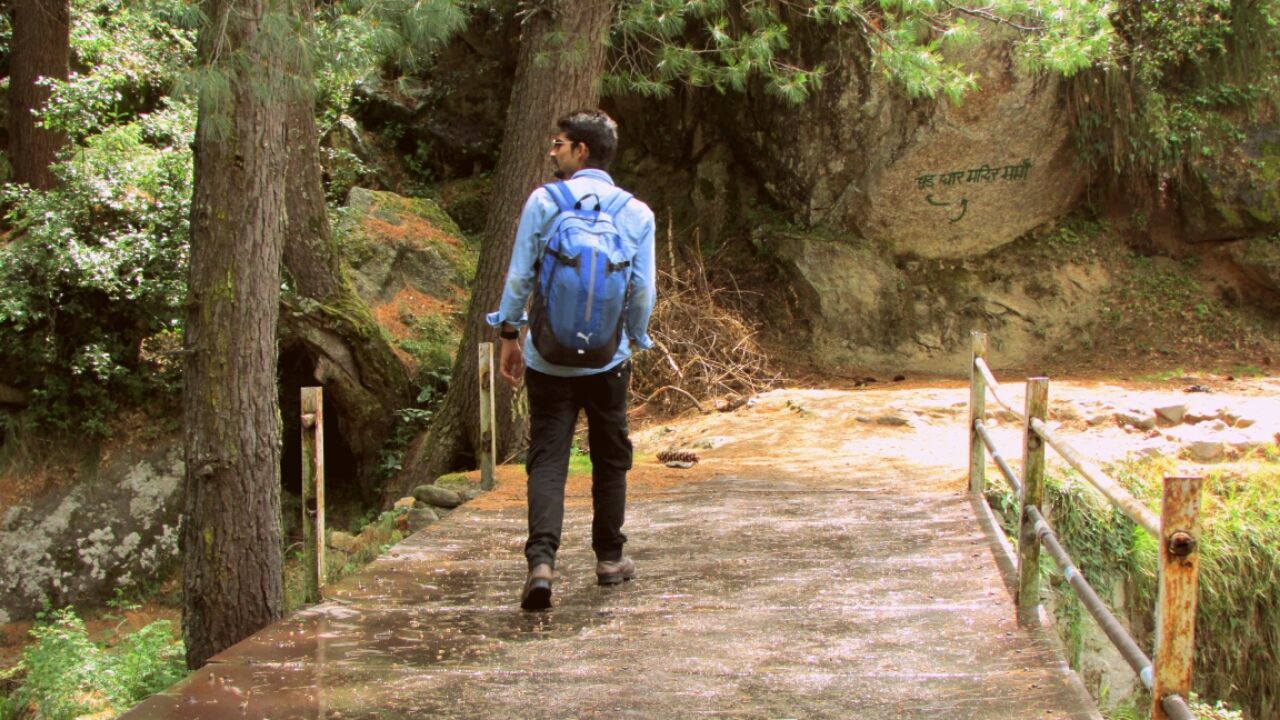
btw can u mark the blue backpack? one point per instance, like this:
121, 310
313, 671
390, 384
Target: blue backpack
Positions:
583, 278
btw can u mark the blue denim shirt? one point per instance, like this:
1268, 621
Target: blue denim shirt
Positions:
634, 223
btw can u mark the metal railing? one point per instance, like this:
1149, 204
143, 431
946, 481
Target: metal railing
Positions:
1177, 529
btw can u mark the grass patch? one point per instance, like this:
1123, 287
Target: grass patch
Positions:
1238, 620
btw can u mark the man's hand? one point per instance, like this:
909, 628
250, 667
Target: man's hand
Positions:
511, 361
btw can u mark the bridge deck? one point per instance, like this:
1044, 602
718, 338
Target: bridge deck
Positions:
758, 597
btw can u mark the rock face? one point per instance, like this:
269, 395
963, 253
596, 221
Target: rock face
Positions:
394, 242
869, 308
1259, 259
1239, 195
117, 529
924, 178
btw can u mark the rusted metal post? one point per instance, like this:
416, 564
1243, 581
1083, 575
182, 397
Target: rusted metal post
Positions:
977, 411
488, 437
1032, 497
313, 491
1179, 580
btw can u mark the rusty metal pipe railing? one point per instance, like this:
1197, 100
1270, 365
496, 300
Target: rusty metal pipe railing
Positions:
1120, 637
1177, 530
1128, 504
1009, 476
1176, 708
994, 386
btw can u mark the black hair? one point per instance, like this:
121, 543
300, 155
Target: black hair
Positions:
596, 130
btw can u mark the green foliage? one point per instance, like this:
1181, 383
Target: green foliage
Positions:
1185, 76
710, 43
353, 38
67, 675
97, 268
132, 51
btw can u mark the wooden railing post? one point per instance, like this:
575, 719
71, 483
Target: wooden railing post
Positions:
1176, 606
313, 491
488, 438
1032, 496
977, 411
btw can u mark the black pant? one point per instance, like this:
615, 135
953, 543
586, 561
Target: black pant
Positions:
553, 411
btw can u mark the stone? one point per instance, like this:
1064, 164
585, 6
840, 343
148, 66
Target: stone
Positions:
342, 541
1157, 447
1172, 414
1206, 451
437, 496
1136, 419
892, 420
419, 518
405, 502
1096, 419
1065, 413
114, 530
1243, 422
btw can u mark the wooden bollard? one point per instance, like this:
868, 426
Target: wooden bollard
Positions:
313, 491
977, 410
488, 439
1032, 496
1179, 583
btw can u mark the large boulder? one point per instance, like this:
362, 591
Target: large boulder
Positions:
924, 178
1259, 259
394, 242
117, 529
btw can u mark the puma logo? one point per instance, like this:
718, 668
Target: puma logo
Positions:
586, 338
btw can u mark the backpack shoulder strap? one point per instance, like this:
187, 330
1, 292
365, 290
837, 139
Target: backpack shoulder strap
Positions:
561, 194
621, 198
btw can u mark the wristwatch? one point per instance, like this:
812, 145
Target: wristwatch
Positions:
508, 334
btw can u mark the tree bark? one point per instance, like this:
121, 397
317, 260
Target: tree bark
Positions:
231, 543
41, 49
363, 379
562, 55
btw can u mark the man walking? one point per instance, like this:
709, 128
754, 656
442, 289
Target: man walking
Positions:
585, 251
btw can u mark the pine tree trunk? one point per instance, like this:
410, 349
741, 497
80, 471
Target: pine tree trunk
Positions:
562, 56
231, 542
364, 381
41, 49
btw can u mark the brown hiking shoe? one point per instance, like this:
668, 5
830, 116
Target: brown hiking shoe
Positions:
615, 571
537, 588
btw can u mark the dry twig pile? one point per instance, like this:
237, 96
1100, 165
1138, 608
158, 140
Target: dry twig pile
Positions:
704, 350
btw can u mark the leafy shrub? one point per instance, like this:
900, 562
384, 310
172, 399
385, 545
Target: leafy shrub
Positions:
98, 266
93, 274
68, 675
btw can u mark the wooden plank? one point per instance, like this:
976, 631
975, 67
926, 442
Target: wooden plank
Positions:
1032, 496
977, 410
488, 438
313, 491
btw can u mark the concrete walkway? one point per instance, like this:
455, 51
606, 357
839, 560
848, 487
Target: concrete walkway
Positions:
758, 597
